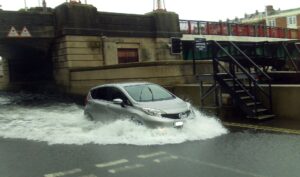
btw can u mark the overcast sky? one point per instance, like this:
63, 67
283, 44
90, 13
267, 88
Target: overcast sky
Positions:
210, 10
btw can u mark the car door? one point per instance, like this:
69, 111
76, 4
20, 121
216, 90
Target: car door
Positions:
97, 107
125, 111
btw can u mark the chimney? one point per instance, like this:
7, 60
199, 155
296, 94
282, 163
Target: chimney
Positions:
269, 9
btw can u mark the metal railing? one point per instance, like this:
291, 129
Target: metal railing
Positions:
256, 86
233, 29
289, 56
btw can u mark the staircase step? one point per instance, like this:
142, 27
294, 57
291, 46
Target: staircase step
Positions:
260, 110
262, 117
245, 97
253, 103
228, 79
240, 91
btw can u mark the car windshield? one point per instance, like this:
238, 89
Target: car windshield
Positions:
148, 92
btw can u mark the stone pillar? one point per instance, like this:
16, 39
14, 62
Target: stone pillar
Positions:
4, 74
166, 26
75, 52
75, 17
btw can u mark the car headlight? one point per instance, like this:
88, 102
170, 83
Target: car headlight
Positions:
153, 112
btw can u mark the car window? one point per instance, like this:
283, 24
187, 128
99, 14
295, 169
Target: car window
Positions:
148, 92
117, 93
109, 94
100, 93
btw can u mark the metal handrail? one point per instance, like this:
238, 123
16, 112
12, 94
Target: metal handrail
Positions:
242, 68
268, 95
250, 60
289, 56
267, 29
236, 80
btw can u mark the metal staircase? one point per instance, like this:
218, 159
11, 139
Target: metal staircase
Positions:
242, 82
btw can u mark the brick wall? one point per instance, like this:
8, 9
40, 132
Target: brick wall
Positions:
281, 22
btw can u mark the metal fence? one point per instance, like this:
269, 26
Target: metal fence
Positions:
233, 29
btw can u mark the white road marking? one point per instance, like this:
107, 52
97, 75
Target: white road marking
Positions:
222, 167
64, 173
113, 163
125, 168
144, 156
172, 157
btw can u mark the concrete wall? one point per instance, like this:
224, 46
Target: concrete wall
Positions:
286, 98
38, 24
166, 73
286, 101
74, 52
94, 23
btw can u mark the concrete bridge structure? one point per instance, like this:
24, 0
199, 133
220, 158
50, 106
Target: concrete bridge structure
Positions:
76, 38
75, 47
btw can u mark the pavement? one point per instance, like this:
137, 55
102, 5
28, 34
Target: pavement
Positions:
234, 118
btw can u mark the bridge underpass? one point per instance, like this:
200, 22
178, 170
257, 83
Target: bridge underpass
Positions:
25, 46
28, 60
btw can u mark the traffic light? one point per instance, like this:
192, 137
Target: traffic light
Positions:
175, 45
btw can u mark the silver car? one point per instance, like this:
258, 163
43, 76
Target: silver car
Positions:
144, 103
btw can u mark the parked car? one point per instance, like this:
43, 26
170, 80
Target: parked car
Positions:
145, 103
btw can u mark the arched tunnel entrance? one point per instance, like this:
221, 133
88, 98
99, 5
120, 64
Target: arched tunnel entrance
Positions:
28, 61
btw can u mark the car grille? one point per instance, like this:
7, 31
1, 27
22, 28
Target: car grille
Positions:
177, 115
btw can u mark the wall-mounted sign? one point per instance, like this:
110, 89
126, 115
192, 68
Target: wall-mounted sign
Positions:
200, 44
25, 32
13, 32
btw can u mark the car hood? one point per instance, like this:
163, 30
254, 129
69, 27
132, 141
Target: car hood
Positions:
168, 106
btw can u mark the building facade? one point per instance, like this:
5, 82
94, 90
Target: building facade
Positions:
276, 18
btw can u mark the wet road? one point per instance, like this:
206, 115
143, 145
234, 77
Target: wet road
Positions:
37, 141
237, 154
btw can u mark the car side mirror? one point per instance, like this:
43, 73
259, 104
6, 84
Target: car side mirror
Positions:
118, 101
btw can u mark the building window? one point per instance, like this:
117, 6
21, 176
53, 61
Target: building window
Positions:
291, 21
126, 55
271, 22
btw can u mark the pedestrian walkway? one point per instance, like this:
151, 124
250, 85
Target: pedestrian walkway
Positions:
277, 124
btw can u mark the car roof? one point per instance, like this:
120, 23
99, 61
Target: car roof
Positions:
123, 84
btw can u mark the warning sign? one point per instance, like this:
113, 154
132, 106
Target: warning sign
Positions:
25, 32
13, 32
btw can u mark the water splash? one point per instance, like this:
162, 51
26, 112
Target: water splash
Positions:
64, 123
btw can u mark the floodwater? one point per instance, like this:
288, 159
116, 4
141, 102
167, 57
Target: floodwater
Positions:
57, 120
